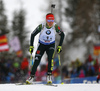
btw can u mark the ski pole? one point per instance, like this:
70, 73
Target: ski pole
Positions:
31, 57
59, 59
31, 61
60, 69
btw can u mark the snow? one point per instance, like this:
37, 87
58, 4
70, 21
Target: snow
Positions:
41, 87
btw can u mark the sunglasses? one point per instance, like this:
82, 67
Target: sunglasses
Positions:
50, 20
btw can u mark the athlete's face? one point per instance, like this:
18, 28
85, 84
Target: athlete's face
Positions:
50, 22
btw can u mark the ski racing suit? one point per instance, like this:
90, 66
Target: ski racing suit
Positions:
46, 44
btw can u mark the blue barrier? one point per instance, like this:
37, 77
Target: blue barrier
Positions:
86, 80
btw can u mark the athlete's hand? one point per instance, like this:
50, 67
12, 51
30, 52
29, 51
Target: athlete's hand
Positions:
59, 49
31, 49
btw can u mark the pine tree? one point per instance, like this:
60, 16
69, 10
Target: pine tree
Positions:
3, 19
82, 16
18, 27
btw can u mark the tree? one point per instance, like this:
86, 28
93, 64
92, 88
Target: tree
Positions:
18, 27
82, 16
3, 19
82, 19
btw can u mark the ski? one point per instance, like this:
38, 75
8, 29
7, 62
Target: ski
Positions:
24, 84
51, 85
36, 83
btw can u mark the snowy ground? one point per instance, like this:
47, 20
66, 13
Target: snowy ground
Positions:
60, 87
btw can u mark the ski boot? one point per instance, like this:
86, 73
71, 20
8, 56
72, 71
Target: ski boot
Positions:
30, 80
49, 78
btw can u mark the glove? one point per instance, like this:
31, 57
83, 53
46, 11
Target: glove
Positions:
31, 49
59, 49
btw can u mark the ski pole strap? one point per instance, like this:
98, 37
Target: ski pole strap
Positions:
59, 59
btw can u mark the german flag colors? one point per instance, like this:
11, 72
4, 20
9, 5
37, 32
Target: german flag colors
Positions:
3, 43
97, 49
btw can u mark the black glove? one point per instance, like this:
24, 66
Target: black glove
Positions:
59, 49
31, 49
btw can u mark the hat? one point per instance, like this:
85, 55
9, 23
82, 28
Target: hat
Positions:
50, 16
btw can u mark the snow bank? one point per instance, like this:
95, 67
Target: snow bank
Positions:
41, 87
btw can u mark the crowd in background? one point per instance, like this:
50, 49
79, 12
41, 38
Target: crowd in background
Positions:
76, 69
14, 70
90, 67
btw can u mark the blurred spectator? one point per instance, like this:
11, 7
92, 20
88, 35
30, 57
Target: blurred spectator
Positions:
78, 65
90, 69
90, 58
24, 66
43, 72
65, 71
96, 65
74, 73
81, 73
98, 77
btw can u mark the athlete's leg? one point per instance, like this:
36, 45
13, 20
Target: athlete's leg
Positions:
38, 55
50, 53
